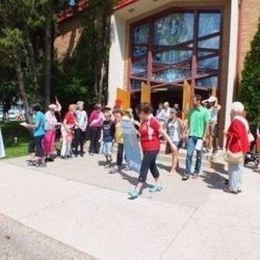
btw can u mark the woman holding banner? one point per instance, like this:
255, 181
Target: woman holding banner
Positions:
150, 130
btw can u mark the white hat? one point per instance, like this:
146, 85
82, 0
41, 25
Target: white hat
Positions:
212, 99
52, 106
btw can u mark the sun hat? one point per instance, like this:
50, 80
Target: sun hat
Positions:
52, 106
212, 99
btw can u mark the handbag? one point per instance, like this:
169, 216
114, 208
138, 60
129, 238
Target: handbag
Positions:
233, 158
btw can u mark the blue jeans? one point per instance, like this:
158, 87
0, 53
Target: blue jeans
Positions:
191, 145
235, 176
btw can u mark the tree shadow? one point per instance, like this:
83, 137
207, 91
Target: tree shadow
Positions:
214, 180
101, 163
133, 180
161, 166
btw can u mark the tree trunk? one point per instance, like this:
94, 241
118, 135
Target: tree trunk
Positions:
32, 62
101, 82
20, 79
47, 65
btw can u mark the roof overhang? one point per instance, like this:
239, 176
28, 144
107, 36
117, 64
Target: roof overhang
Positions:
124, 3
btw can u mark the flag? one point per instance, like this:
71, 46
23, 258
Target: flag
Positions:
186, 99
123, 98
145, 93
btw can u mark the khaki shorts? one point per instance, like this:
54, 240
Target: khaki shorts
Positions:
213, 128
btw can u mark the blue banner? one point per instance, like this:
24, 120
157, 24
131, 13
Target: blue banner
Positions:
131, 145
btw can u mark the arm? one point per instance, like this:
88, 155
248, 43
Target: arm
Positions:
58, 105
168, 139
86, 121
206, 128
32, 126
205, 131
101, 135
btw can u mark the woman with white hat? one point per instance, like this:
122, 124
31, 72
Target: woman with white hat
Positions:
50, 127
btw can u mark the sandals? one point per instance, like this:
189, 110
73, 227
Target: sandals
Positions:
155, 189
133, 194
231, 191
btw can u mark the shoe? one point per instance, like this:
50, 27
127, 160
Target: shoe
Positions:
91, 154
114, 170
133, 194
195, 175
42, 165
226, 182
81, 154
185, 177
230, 191
63, 157
76, 155
155, 188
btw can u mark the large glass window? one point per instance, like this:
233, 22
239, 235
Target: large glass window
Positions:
179, 46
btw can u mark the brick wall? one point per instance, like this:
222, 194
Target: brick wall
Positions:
249, 17
69, 35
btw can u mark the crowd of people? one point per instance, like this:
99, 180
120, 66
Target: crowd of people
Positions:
197, 133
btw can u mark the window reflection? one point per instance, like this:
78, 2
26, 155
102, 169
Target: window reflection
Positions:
211, 43
141, 34
208, 82
168, 58
171, 57
209, 23
173, 29
172, 75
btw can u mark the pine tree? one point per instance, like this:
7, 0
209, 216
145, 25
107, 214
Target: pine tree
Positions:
250, 83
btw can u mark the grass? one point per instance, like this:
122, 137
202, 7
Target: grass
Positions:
10, 131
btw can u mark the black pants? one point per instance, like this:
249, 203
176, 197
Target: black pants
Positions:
79, 140
38, 146
149, 162
94, 138
120, 154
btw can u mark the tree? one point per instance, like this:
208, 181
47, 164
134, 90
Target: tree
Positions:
250, 83
27, 28
89, 61
12, 49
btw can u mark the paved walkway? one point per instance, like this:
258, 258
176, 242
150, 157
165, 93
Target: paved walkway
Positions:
79, 204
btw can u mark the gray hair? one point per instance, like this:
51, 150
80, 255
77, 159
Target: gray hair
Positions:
237, 107
80, 103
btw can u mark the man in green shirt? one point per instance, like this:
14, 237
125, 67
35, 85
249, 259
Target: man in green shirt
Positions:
198, 122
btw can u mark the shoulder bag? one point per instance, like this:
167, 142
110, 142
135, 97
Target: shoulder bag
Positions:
233, 158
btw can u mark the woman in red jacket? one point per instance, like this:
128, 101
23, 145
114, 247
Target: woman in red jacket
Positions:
150, 131
237, 141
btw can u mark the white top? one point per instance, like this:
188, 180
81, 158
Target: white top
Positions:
213, 111
164, 115
2, 148
82, 119
50, 121
174, 130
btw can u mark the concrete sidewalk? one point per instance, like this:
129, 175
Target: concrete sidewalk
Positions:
79, 204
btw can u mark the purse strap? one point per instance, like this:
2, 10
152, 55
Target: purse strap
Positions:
231, 138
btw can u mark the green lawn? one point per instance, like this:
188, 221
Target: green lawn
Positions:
10, 131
